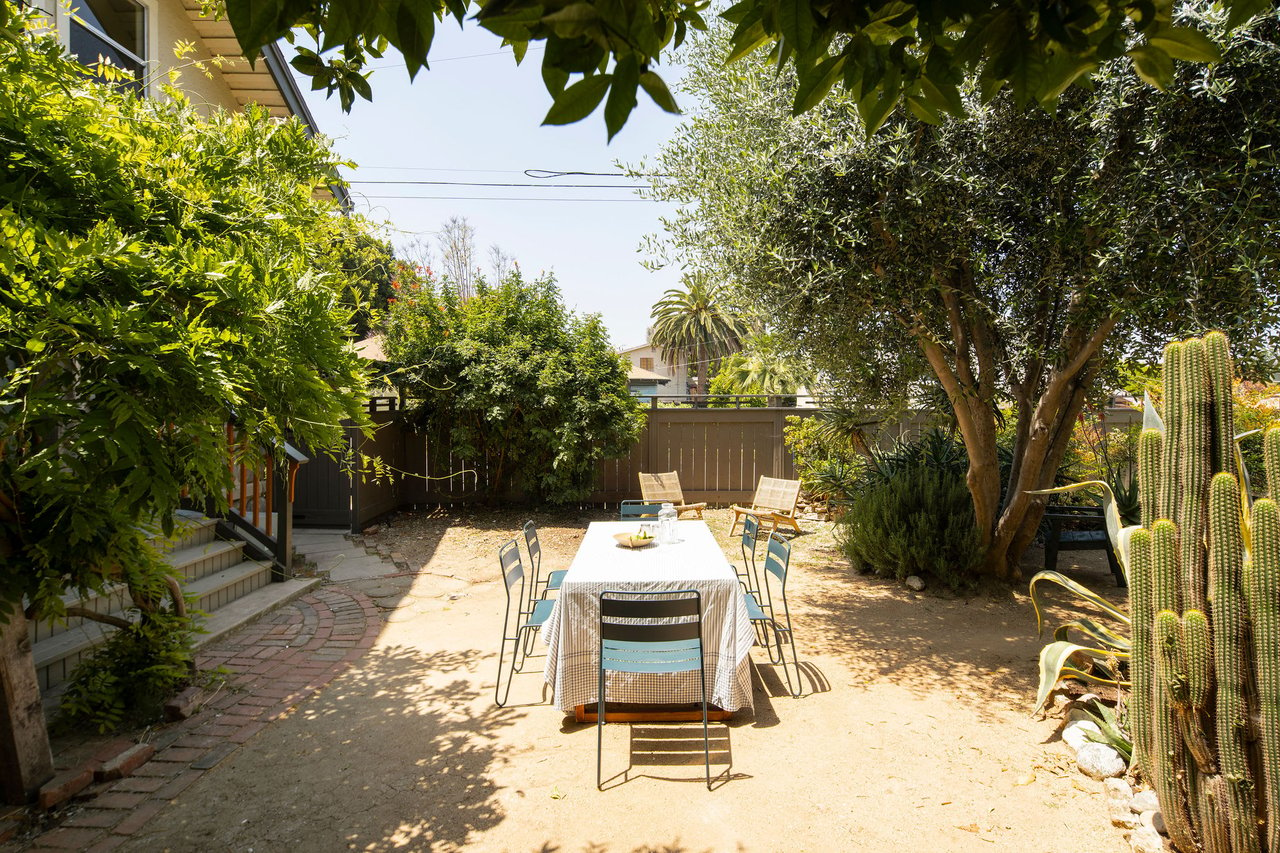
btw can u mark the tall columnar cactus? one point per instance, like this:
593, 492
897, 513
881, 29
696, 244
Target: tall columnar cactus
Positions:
1149, 454
1205, 603
1271, 462
1194, 450
1169, 484
1263, 584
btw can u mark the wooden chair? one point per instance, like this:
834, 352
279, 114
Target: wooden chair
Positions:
665, 488
774, 503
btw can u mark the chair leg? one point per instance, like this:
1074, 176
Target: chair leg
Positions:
1116, 571
706, 732
795, 659
599, 730
497, 688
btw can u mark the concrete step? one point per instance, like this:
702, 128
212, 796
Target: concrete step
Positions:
217, 578
221, 588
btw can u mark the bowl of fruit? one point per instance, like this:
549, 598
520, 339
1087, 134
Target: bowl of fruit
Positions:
638, 539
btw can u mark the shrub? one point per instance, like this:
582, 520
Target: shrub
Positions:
128, 678
919, 520
826, 463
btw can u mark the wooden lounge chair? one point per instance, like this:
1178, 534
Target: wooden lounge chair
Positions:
665, 488
774, 503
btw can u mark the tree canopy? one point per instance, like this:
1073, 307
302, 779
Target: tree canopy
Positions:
1011, 254
158, 279
883, 52
693, 326
512, 380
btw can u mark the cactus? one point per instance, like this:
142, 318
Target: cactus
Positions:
1194, 452
1263, 583
1203, 680
1149, 452
1142, 662
1271, 462
1172, 415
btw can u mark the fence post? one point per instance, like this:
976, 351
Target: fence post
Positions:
282, 568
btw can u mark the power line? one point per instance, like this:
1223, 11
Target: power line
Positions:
539, 186
502, 198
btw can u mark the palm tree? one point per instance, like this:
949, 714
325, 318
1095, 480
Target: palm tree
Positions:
692, 325
763, 368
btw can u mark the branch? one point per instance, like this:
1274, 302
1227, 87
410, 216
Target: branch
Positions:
95, 616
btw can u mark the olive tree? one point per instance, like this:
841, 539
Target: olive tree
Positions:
1011, 254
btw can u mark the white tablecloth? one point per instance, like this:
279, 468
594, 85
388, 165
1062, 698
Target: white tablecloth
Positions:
696, 562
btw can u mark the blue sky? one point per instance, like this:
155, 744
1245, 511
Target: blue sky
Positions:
476, 116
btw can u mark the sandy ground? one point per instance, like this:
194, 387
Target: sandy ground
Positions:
913, 733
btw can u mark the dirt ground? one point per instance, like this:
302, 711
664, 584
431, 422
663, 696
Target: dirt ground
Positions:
913, 733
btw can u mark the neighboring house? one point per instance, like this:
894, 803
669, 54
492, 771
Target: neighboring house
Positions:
650, 374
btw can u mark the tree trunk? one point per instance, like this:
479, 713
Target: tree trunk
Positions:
26, 762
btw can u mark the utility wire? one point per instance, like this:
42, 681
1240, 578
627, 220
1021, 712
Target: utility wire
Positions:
503, 198
539, 186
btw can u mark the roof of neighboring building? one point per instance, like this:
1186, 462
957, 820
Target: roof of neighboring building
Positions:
639, 374
371, 348
634, 348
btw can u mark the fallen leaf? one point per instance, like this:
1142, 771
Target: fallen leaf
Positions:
973, 827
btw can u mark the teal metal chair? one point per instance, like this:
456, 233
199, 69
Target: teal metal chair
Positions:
763, 611
552, 581
645, 632
527, 620
638, 509
748, 575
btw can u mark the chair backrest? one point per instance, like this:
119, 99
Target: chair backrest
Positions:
777, 558
535, 549
661, 487
750, 532
777, 494
662, 632
638, 509
512, 569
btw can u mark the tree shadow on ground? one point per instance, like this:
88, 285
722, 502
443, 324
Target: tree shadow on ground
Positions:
984, 643
403, 747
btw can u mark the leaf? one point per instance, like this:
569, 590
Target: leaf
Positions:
1099, 632
1079, 589
1150, 417
256, 22
815, 83
657, 90
1185, 43
622, 94
1055, 659
35, 345
415, 30
795, 20
1059, 73
579, 100
1153, 65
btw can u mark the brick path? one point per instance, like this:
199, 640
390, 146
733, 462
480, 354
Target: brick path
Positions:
273, 664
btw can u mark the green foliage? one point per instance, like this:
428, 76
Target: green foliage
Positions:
827, 464
158, 276
725, 393
910, 514
1033, 227
126, 681
884, 54
368, 265
1109, 731
513, 378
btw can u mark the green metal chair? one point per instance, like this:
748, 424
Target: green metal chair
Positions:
527, 621
749, 577
763, 611
537, 582
628, 510
643, 633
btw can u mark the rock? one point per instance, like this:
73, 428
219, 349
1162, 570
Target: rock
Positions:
916, 583
1074, 733
1119, 795
372, 530
1081, 707
1099, 761
1154, 820
1146, 840
1145, 801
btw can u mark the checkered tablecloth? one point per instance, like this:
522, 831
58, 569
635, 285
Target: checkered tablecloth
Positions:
572, 633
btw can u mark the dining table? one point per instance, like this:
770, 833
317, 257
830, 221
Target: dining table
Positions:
694, 560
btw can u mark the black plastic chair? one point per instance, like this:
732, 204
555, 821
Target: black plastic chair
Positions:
647, 632
628, 510
527, 621
763, 611
1089, 533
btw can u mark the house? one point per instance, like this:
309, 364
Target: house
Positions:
244, 557
140, 36
650, 374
